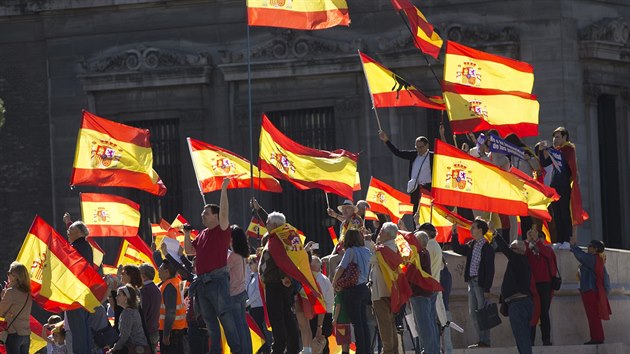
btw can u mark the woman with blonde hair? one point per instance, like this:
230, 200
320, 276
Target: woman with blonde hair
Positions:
15, 307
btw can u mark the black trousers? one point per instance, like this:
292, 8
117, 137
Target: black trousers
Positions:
562, 217
327, 329
544, 292
284, 327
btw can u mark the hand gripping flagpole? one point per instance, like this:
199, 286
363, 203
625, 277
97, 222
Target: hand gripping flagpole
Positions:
203, 197
378, 121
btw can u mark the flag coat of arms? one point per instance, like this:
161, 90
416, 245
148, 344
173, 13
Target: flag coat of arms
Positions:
110, 154
306, 168
390, 90
212, 164
61, 279
110, 215
298, 14
386, 200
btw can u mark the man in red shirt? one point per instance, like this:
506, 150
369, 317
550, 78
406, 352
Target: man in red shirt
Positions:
211, 248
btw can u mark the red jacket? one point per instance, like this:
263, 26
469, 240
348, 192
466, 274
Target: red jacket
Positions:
542, 261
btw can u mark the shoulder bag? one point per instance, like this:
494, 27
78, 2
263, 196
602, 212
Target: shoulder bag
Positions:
4, 331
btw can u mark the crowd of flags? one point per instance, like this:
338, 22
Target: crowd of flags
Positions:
480, 91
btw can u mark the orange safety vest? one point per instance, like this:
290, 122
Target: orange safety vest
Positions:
180, 309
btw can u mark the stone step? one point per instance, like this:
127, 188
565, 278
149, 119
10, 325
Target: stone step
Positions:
606, 348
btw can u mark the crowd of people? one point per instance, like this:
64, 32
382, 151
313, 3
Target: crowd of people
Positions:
222, 280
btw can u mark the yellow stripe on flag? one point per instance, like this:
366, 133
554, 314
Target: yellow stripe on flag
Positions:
497, 109
299, 5
129, 255
116, 214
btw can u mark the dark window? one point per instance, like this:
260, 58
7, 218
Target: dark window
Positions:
306, 209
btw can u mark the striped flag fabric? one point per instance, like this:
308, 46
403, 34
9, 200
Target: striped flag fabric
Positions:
212, 164
425, 37
110, 215
538, 195
465, 181
109, 269
472, 109
97, 251
61, 279
37, 341
443, 220
390, 90
391, 265
386, 200
298, 14
133, 250
256, 228
258, 338
409, 248
110, 154
333, 235
471, 67
306, 168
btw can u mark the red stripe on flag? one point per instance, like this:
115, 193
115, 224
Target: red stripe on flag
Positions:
297, 20
117, 178
118, 131
264, 184
405, 98
477, 124
458, 49
114, 230
108, 198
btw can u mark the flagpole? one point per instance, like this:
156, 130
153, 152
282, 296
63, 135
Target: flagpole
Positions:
431, 214
413, 37
378, 121
327, 202
249, 110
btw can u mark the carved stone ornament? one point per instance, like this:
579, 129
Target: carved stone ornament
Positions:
614, 30
142, 59
289, 44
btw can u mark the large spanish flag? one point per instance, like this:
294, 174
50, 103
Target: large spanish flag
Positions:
386, 200
472, 109
298, 14
424, 36
539, 196
306, 168
110, 215
464, 181
471, 67
61, 279
111, 154
390, 90
390, 264
443, 220
212, 164
287, 250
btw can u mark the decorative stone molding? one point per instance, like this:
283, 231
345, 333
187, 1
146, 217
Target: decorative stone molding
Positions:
608, 29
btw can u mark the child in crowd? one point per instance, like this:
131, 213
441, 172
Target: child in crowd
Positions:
57, 339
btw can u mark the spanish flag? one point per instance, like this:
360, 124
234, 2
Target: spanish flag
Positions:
409, 248
390, 90
258, 338
256, 228
443, 220
333, 235
212, 164
298, 14
390, 264
111, 154
462, 180
425, 37
474, 109
134, 250
110, 215
387, 200
471, 67
539, 196
61, 279
306, 168
287, 250
97, 251
37, 342
109, 269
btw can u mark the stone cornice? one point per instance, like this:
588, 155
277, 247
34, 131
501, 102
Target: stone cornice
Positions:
607, 39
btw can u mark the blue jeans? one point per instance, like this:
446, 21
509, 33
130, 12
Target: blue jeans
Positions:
17, 344
355, 302
476, 300
520, 313
213, 297
197, 338
425, 324
238, 311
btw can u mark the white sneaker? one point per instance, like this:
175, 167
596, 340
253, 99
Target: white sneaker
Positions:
565, 246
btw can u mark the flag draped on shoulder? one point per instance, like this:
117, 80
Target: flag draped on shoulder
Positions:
110, 215
110, 154
61, 279
424, 36
390, 264
472, 109
306, 168
212, 164
287, 250
390, 90
298, 14
465, 181
443, 219
409, 248
386, 200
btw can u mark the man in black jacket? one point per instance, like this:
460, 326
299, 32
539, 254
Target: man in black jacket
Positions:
420, 163
479, 273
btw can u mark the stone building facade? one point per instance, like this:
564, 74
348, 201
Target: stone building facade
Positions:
180, 68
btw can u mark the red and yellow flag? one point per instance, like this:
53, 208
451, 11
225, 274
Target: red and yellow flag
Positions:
256, 228
97, 251
539, 196
462, 180
109, 269
425, 37
390, 90
409, 248
472, 109
133, 250
212, 164
306, 168
333, 235
110, 215
298, 14
258, 338
37, 341
110, 154
61, 279
390, 264
443, 220
287, 250
385, 199
471, 67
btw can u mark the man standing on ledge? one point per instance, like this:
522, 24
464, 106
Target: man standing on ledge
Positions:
211, 247
420, 163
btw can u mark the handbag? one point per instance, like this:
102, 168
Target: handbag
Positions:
503, 307
4, 331
105, 337
349, 277
556, 281
488, 317
412, 184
